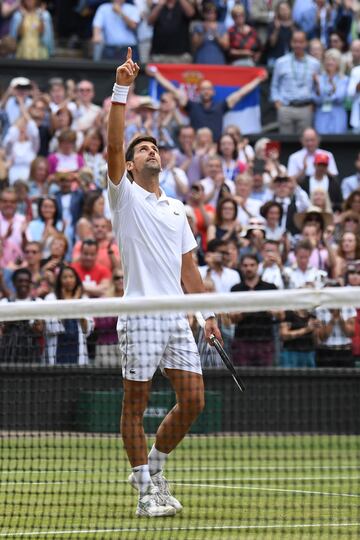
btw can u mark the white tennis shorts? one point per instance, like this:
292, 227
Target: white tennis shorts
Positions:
155, 341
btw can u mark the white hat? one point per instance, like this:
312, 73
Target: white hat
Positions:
20, 81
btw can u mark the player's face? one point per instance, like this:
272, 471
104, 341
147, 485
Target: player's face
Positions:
146, 158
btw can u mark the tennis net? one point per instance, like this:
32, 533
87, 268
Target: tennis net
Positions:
279, 460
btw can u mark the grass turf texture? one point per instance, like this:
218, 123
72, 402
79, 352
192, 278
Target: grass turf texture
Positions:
232, 487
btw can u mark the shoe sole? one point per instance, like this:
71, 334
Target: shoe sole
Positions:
134, 486
169, 513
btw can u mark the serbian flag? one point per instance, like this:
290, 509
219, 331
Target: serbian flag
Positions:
226, 79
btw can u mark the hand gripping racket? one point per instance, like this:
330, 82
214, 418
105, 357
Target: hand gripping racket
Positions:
223, 355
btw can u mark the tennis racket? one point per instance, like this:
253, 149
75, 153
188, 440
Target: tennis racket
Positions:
223, 355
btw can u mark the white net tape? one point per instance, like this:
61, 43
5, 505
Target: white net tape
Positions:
333, 298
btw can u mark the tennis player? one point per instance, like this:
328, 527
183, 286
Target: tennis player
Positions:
156, 246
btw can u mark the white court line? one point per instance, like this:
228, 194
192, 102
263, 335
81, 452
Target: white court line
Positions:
195, 468
259, 488
174, 529
219, 479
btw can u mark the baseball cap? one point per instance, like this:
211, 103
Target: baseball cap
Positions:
321, 159
20, 81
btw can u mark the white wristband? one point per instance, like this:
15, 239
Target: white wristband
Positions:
119, 94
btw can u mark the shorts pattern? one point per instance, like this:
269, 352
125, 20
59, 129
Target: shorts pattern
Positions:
156, 341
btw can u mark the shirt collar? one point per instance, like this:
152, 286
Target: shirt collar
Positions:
148, 195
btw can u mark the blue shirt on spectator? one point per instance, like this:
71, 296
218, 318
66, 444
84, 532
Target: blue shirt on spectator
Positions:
330, 114
114, 30
293, 79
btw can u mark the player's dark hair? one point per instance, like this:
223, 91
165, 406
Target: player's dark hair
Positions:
129, 156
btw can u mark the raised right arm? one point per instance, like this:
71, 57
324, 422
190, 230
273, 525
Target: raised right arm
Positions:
125, 76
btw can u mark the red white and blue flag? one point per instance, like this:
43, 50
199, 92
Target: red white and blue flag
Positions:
226, 79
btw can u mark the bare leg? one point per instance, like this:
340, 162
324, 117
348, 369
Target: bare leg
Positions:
136, 396
189, 389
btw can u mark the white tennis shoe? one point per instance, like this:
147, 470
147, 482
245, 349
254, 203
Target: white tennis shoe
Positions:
162, 484
153, 505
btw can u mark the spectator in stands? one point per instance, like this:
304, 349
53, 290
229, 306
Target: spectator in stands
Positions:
330, 90
301, 273
66, 338
93, 154
314, 215
70, 204
298, 333
60, 121
16, 98
171, 39
31, 25
348, 251
24, 206
320, 198
21, 145
215, 184
66, 158
84, 111
57, 93
173, 180
337, 327
105, 327
292, 84
260, 191
108, 252
350, 222
168, 119
94, 276
186, 156
204, 144
353, 201
279, 33
40, 283
38, 184
321, 178
272, 212
292, 199
209, 37
114, 28
317, 49
20, 341
247, 206
271, 266
207, 112
228, 152
243, 41
226, 226
216, 257
203, 213
351, 183
354, 95
338, 41
56, 259
245, 151
254, 237
261, 13
10, 253
5, 292
355, 55
301, 163
323, 255
11, 222
253, 344
46, 226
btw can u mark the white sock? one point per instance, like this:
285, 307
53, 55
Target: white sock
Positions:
142, 476
156, 460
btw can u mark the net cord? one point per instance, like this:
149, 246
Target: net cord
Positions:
331, 298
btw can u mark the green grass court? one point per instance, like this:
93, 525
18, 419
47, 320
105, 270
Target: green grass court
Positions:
232, 487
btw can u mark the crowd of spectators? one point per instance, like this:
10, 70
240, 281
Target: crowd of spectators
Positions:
260, 223
310, 47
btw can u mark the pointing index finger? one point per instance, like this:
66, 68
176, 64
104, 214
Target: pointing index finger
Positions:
129, 54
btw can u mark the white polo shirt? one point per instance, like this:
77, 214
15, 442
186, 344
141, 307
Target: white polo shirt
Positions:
152, 235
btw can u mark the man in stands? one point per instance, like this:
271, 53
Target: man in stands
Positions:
94, 276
